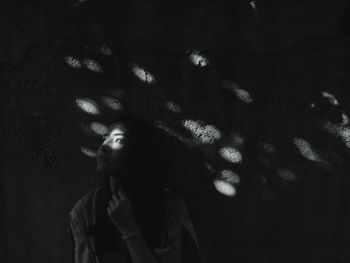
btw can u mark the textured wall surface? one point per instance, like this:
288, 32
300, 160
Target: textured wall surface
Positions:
258, 90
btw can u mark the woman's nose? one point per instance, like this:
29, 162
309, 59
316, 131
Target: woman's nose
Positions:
105, 148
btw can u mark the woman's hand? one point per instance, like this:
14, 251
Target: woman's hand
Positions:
121, 213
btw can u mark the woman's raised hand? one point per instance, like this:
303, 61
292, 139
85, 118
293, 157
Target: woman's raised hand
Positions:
121, 213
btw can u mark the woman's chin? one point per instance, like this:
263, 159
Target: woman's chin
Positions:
101, 167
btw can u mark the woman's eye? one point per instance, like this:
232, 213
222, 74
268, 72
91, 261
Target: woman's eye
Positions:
119, 140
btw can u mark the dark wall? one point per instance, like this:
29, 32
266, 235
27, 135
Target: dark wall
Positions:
257, 89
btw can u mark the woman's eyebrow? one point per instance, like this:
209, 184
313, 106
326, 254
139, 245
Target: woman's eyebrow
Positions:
113, 133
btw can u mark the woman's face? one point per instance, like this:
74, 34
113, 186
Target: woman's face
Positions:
112, 152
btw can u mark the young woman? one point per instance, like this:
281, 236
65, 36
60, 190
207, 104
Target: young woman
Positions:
131, 217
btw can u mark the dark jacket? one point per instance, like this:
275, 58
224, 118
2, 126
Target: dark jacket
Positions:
181, 245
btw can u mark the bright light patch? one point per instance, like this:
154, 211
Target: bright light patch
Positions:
92, 65
205, 134
345, 119
253, 4
306, 149
112, 103
198, 59
231, 154
312, 105
230, 176
143, 75
98, 128
286, 174
330, 97
88, 152
225, 188
267, 147
340, 130
173, 107
241, 94
87, 105
106, 50
73, 62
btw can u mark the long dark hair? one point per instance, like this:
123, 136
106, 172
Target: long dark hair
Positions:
144, 184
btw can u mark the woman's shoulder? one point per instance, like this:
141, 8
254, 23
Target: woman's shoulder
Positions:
176, 213
83, 208
178, 222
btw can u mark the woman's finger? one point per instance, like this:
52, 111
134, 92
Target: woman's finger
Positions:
111, 204
122, 194
115, 199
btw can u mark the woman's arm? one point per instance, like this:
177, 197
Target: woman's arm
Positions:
81, 251
121, 214
138, 248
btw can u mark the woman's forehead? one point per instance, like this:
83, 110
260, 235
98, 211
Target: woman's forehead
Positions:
117, 128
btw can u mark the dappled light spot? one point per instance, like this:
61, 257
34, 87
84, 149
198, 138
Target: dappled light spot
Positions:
267, 147
88, 152
173, 107
73, 62
224, 187
312, 105
286, 174
98, 128
106, 50
241, 94
253, 4
198, 59
230, 176
344, 119
330, 98
306, 149
112, 103
143, 75
206, 134
92, 65
88, 106
231, 154
341, 130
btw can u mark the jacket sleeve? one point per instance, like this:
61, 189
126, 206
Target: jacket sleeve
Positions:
171, 250
180, 231
82, 254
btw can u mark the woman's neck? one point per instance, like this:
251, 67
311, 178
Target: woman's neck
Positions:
113, 185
